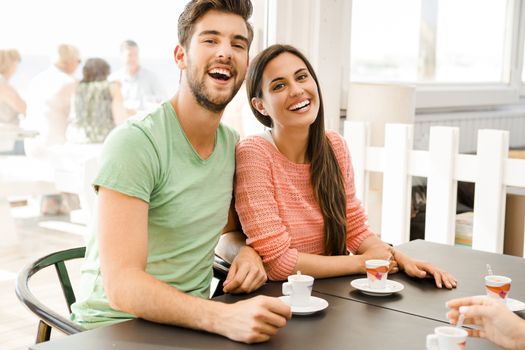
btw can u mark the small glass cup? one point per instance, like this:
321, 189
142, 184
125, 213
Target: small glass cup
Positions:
498, 287
377, 272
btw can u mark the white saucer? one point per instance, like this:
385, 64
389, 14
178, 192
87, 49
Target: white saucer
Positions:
391, 287
316, 304
513, 304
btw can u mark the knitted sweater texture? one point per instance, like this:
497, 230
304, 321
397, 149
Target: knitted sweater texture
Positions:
278, 209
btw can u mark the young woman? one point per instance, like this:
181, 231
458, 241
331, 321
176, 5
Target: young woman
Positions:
12, 106
295, 192
97, 105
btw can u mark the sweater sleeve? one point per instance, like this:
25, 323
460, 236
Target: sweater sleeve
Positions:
356, 220
258, 209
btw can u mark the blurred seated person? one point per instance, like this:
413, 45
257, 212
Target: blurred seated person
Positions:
48, 108
49, 100
97, 105
141, 89
11, 104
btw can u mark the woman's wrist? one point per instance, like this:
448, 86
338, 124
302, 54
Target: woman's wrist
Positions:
400, 258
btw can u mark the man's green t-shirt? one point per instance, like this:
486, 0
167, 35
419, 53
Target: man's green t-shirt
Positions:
189, 198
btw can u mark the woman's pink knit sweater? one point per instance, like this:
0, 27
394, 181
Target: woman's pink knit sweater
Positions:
277, 207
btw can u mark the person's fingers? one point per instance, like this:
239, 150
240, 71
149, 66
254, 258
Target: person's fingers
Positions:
466, 301
234, 279
280, 308
248, 284
438, 279
447, 279
474, 333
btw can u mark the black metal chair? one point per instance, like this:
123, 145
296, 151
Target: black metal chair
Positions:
50, 319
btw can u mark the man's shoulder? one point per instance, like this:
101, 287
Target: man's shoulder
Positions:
229, 132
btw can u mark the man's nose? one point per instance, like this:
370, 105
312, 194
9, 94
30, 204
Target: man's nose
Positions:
225, 51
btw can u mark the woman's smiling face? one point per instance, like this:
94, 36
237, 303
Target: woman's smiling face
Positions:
289, 93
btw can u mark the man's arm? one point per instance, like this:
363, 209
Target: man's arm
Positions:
247, 270
123, 240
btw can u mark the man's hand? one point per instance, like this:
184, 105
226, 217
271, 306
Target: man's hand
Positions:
246, 272
254, 320
422, 269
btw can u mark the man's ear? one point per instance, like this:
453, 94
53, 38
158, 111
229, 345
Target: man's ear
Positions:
179, 54
258, 105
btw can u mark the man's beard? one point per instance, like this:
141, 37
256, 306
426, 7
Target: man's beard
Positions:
202, 95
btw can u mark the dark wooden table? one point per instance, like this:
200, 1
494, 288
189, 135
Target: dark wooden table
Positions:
351, 321
420, 296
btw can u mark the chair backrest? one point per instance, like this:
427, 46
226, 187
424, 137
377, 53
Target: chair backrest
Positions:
49, 318
442, 165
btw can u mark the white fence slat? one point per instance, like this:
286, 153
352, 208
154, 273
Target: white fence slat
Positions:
395, 221
357, 137
466, 168
419, 163
440, 218
489, 196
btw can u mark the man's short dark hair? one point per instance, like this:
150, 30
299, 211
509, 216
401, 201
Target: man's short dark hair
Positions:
195, 9
128, 44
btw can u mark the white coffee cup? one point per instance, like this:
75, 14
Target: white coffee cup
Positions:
377, 272
299, 288
447, 338
498, 287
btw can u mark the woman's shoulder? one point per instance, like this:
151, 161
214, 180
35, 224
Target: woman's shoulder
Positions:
337, 141
255, 142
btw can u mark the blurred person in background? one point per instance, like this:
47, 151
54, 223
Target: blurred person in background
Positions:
97, 105
49, 100
11, 104
48, 109
141, 89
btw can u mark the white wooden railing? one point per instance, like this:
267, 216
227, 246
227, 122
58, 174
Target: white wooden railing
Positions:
442, 165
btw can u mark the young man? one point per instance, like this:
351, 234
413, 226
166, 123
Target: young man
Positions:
165, 187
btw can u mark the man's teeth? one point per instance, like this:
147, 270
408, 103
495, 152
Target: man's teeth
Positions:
300, 105
224, 72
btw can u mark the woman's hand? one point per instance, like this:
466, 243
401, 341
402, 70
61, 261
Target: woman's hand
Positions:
422, 269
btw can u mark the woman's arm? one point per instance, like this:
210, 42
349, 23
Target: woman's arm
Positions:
12, 98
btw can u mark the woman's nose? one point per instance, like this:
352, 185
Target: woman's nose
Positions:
296, 89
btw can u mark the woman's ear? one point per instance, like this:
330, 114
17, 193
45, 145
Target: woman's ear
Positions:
258, 105
179, 54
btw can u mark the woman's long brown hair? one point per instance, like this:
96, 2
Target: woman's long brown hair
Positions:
325, 174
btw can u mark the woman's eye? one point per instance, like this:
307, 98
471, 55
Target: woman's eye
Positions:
302, 77
278, 86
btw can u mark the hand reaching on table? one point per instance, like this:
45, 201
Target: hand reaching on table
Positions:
254, 320
246, 272
422, 269
497, 323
